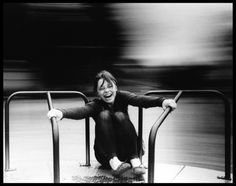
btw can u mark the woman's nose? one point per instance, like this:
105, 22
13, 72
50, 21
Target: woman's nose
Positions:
106, 89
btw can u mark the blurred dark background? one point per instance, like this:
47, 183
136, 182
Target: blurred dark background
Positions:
61, 46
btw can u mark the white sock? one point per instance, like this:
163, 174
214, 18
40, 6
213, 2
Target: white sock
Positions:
135, 162
114, 163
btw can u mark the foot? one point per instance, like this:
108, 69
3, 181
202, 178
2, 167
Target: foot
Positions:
139, 170
123, 167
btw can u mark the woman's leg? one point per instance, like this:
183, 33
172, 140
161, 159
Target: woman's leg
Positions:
105, 144
128, 140
126, 137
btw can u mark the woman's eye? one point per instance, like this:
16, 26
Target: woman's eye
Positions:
110, 85
102, 88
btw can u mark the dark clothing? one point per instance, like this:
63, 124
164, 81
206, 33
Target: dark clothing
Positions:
115, 134
122, 100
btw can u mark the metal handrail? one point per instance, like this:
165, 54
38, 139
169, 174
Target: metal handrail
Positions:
55, 130
55, 136
152, 135
157, 124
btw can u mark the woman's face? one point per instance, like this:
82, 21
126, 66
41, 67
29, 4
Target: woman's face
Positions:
106, 91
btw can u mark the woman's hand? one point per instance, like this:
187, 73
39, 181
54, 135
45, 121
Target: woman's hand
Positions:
55, 113
169, 103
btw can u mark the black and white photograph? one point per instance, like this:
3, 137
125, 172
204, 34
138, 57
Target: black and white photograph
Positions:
115, 92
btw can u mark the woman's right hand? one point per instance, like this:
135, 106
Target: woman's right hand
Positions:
55, 113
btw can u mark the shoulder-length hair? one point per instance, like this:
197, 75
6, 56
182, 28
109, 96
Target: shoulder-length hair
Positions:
104, 75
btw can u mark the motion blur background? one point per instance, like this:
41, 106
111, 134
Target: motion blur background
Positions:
61, 46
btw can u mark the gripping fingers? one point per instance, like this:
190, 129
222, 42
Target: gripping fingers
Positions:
55, 113
169, 103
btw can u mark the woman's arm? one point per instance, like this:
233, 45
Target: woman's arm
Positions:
141, 100
147, 101
74, 113
80, 112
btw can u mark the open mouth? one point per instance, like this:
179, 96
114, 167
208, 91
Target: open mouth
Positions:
107, 96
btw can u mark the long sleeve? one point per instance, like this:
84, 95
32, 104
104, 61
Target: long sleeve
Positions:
141, 100
82, 112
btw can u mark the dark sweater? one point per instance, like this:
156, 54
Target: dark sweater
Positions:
122, 100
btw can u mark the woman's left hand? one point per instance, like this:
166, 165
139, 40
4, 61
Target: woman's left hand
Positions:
169, 103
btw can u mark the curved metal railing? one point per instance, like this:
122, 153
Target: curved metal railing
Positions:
55, 130
157, 124
152, 137
152, 134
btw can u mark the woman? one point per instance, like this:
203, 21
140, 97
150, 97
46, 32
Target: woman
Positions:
116, 139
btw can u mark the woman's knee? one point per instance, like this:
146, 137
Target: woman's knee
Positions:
121, 117
104, 126
104, 115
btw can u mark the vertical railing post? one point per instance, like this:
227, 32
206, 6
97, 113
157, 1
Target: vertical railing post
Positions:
87, 141
55, 135
140, 132
227, 140
7, 145
7, 133
152, 137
